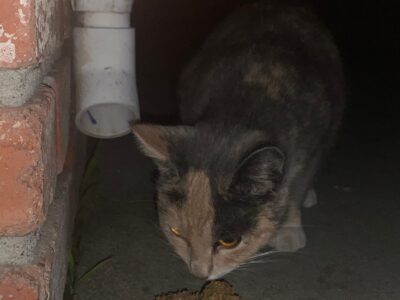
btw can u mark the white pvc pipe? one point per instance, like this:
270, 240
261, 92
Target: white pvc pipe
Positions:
104, 69
119, 6
105, 20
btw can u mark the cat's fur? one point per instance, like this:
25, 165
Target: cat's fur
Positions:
260, 105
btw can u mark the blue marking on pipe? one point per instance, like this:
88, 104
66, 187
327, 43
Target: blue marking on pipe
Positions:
92, 119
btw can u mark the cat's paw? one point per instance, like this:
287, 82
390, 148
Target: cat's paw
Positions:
288, 239
311, 199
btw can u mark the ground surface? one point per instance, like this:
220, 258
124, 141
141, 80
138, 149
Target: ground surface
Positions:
353, 249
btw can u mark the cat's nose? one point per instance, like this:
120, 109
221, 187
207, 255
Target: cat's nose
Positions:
200, 269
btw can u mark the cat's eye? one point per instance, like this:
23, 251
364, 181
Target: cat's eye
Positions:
175, 231
229, 243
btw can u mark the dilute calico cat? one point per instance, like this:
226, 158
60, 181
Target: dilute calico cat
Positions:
260, 104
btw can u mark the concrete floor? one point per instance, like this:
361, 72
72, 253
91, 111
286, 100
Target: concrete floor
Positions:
353, 249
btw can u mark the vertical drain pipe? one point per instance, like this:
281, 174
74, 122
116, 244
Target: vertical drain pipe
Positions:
104, 68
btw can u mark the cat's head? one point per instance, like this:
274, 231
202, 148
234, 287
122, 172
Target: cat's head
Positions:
218, 193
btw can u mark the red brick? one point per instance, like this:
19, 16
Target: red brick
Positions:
27, 163
29, 281
18, 286
43, 276
17, 33
59, 80
31, 31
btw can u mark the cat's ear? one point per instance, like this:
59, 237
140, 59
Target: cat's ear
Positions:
153, 140
260, 171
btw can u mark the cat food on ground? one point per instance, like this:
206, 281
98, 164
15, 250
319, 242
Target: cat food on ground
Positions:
215, 290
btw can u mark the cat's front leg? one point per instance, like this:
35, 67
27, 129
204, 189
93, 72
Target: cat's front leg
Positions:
290, 237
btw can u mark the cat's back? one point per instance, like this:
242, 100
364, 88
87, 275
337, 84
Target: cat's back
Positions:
268, 66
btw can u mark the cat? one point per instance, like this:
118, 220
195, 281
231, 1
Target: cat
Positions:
260, 105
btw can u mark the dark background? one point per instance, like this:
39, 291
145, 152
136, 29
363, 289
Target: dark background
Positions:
367, 33
167, 34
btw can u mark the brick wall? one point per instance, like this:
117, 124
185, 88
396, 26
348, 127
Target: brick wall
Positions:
38, 148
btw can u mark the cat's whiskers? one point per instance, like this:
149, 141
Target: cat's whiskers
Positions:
298, 226
256, 262
263, 254
263, 258
243, 267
